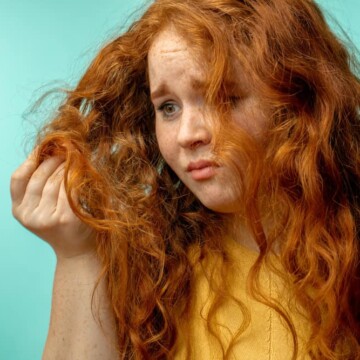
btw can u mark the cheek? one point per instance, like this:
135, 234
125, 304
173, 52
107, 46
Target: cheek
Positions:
165, 144
251, 118
170, 156
164, 151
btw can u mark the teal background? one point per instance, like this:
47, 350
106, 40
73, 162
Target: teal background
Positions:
42, 41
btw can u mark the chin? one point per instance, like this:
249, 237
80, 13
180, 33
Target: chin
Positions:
223, 207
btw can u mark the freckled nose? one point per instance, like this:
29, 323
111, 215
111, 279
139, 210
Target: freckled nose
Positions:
194, 130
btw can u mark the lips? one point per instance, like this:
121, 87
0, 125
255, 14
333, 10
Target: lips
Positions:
202, 169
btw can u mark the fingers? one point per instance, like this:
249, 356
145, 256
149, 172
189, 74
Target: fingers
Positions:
39, 178
40, 203
20, 179
63, 206
50, 193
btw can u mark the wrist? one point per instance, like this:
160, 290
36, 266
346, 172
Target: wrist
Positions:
81, 269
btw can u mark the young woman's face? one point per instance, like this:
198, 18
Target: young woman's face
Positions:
183, 122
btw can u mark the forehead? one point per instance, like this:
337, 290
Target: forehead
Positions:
171, 49
168, 41
171, 58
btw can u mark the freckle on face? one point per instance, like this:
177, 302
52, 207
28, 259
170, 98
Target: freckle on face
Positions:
173, 74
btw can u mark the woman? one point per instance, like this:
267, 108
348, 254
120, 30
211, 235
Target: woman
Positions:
202, 179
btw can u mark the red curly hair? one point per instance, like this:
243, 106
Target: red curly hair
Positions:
147, 221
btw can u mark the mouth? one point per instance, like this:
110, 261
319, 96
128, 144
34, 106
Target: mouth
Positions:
202, 169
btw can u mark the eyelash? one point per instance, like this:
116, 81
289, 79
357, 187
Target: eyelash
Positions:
234, 100
162, 107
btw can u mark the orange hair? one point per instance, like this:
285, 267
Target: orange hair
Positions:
147, 220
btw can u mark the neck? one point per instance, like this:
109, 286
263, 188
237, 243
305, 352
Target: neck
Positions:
241, 233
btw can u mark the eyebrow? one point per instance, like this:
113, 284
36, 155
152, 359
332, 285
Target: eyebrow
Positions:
196, 84
202, 85
163, 89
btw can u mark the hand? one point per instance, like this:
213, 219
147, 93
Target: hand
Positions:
40, 203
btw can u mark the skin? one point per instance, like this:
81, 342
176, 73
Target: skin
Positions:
184, 121
41, 205
184, 133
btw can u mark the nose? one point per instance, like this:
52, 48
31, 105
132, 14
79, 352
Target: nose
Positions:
194, 129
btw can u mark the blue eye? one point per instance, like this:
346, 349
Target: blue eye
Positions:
168, 109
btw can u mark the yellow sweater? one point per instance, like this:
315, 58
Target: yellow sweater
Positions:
266, 337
